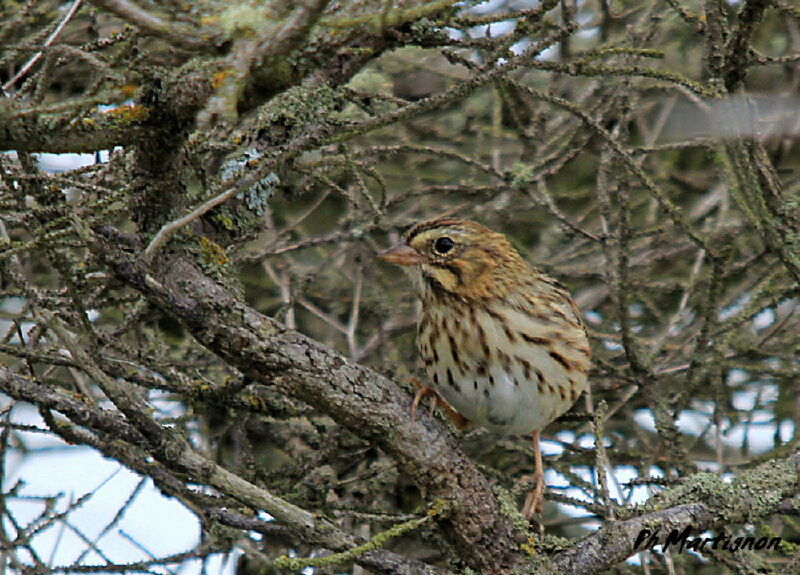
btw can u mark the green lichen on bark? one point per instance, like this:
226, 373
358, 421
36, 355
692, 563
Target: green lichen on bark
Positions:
300, 106
437, 508
510, 509
752, 495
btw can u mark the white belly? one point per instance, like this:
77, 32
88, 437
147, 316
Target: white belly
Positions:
508, 387
501, 407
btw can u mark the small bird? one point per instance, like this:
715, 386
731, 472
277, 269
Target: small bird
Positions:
502, 343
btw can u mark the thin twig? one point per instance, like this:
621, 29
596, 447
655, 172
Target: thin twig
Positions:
50, 39
191, 38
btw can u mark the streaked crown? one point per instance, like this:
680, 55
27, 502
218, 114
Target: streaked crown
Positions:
462, 258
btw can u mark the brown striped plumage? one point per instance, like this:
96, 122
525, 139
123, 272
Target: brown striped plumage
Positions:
502, 343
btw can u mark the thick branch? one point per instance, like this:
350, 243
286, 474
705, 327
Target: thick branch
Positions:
615, 542
375, 408
36, 132
356, 397
709, 501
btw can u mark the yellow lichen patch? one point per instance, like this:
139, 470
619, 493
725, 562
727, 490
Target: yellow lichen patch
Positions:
438, 508
213, 252
256, 402
129, 114
529, 546
129, 90
219, 78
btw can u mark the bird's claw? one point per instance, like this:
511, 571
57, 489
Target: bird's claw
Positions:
423, 391
533, 502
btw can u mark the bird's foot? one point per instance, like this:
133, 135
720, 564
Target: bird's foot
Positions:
423, 391
533, 502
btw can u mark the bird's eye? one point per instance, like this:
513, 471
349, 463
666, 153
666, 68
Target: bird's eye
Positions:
443, 245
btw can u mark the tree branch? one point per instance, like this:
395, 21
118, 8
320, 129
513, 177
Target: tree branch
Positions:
738, 53
175, 452
356, 397
173, 32
703, 502
375, 408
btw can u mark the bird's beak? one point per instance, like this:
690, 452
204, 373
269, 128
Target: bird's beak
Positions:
401, 254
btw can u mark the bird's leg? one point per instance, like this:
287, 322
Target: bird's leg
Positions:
458, 420
533, 502
423, 391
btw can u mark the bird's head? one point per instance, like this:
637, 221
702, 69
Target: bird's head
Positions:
451, 256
